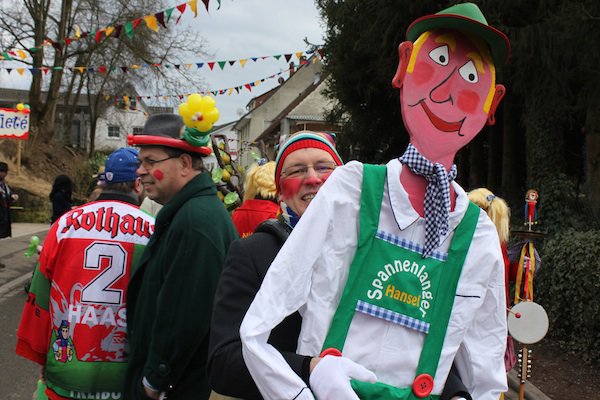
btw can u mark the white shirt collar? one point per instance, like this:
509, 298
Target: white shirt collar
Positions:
404, 213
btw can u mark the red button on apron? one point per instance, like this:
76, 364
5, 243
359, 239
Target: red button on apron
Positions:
423, 385
331, 351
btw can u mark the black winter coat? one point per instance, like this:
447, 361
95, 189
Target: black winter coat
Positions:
245, 267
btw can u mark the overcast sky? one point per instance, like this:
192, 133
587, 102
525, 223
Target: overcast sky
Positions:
240, 29
254, 28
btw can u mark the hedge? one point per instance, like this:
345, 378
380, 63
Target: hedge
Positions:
568, 287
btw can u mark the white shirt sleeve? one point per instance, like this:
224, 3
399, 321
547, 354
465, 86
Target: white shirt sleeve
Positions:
288, 282
480, 359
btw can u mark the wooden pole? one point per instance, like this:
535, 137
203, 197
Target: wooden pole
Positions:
19, 145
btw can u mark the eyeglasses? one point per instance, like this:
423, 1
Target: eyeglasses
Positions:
300, 171
148, 163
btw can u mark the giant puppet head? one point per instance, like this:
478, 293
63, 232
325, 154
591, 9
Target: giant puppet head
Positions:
447, 79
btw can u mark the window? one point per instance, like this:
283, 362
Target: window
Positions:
138, 130
114, 131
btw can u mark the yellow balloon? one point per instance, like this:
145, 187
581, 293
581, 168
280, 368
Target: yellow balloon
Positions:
207, 102
194, 101
203, 126
184, 110
20, 106
212, 115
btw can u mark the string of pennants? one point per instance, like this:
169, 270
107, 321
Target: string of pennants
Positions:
102, 69
152, 21
219, 92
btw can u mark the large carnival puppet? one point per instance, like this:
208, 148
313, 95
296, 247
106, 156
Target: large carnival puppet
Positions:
395, 273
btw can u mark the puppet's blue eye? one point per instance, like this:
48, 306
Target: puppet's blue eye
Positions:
440, 55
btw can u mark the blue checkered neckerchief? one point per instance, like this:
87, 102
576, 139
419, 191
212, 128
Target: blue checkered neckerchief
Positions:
437, 197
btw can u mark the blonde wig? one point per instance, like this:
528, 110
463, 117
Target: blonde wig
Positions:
495, 207
260, 182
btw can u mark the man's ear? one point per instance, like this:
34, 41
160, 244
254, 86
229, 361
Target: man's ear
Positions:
138, 187
498, 95
404, 52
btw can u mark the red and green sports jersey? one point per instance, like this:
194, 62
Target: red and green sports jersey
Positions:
74, 321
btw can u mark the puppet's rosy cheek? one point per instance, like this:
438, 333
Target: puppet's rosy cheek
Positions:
422, 73
468, 101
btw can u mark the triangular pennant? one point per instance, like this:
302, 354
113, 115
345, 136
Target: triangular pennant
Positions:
91, 70
211, 65
98, 36
57, 68
181, 8
277, 57
214, 93
136, 22
6, 56
84, 34
102, 69
299, 54
21, 71
109, 31
160, 17
80, 69
254, 59
206, 4
229, 91
232, 62
118, 30
320, 51
168, 13
31, 70
247, 86
124, 69
199, 65
287, 57
77, 32
8, 70
134, 66
129, 29
237, 89
151, 22
56, 45
177, 66
243, 62
22, 54
221, 64
68, 41
188, 66
219, 2
194, 7
45, 70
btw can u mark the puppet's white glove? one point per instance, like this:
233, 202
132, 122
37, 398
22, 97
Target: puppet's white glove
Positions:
330, 379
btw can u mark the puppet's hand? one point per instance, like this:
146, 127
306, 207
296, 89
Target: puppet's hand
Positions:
330, 380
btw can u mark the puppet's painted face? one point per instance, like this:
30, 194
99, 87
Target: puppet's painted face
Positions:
447, 91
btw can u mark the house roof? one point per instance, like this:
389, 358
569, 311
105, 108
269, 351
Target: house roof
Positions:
246, 117
275, 124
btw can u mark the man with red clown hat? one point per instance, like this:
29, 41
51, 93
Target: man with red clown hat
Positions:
171, 291
395, 273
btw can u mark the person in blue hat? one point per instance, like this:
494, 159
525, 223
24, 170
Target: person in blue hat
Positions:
74, 321
396, 274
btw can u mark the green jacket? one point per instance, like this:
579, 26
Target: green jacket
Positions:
170, 295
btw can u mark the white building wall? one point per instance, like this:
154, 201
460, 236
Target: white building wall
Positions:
125, 120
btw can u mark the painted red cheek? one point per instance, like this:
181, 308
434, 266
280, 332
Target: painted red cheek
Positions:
289, 187
422, 73
468, 101
158, 174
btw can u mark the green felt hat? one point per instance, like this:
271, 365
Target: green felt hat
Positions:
465, 17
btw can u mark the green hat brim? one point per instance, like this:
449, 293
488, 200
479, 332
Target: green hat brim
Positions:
496, 40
